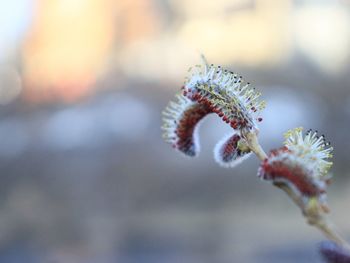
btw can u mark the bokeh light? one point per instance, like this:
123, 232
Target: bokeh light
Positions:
67, 47
10, 84
15, 20
322, 33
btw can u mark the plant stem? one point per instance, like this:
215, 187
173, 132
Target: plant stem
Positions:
329, 230
253, 143
316, 218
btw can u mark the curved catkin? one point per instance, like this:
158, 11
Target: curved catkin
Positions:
227, 94
181, 120
231, 151
211, 89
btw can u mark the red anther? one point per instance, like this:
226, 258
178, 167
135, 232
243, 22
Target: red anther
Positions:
224, 118
294, 176
234, 124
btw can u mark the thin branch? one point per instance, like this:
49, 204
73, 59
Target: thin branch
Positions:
314, 213
253, 143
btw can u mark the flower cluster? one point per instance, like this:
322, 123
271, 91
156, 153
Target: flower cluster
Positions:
301, 165
180, 124
211, 89
226, 94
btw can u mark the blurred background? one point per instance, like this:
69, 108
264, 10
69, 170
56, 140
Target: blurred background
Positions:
85, 175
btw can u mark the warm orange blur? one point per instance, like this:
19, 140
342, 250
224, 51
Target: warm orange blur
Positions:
67, 47
71, 44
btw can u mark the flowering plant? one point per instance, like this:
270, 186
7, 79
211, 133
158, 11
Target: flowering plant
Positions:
300, 167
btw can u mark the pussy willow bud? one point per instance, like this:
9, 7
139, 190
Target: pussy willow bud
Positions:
302, 166
211, 89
